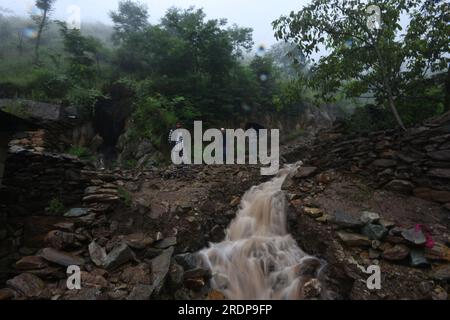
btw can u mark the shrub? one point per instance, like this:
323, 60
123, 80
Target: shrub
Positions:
80, 152
86, 98
56, 207
125, 195
47, 84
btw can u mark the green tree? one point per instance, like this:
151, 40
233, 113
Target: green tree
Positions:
41, 21
360, 59
131, 17
82, 54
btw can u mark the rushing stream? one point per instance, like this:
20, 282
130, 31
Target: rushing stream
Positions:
258, 258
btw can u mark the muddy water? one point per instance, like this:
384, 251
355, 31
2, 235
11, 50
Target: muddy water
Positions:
258, 258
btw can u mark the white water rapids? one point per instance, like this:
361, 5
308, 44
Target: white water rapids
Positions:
258, 259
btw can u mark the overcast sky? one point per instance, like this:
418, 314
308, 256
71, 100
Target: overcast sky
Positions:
257, 14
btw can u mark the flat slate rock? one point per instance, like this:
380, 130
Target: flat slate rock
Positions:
414, 236
118, 256
76, 212
165, 243
344, 220
60, 257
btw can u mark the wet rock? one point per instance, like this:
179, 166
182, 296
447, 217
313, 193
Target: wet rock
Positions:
440, 173
402, 186
117, 294
441, 272
100, 198
30, 263
376, 244
369, 217
188, 261
27, 285
195, 283
138, 241
60, 240
438, 252
439, 294
175, 276
165, 243
97, 254
217, 233
120, 255
324, 219
85, 294
61, 258
137, 275
93, 280
344, 220
216, 295
151, 253
67, 226
426, 287
325, 177
312, 289
160, 267
374, 231
313, 212
305, 172
396, 253
143, 205
353, 239
76, 212
374, 254
235, 201
158, 210
197, 273
417, 259
141, 292
414, 236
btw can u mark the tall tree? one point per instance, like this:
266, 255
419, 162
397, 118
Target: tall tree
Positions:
361, 58
41, 21
130, 18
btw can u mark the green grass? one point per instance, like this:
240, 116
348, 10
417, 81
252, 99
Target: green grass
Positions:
80, 152
125, 195
56, 207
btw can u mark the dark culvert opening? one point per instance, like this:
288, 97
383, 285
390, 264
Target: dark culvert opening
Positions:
110, 116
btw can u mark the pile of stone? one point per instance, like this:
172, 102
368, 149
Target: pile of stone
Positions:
414, 162
383, 239
134, 266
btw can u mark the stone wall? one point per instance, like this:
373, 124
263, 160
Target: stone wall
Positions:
34, 179
30, 182
4, 138
413, 162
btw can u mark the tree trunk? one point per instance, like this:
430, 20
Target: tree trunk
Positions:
38, 38
388, 89
395, 112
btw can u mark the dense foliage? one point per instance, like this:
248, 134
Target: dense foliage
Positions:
404, 71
